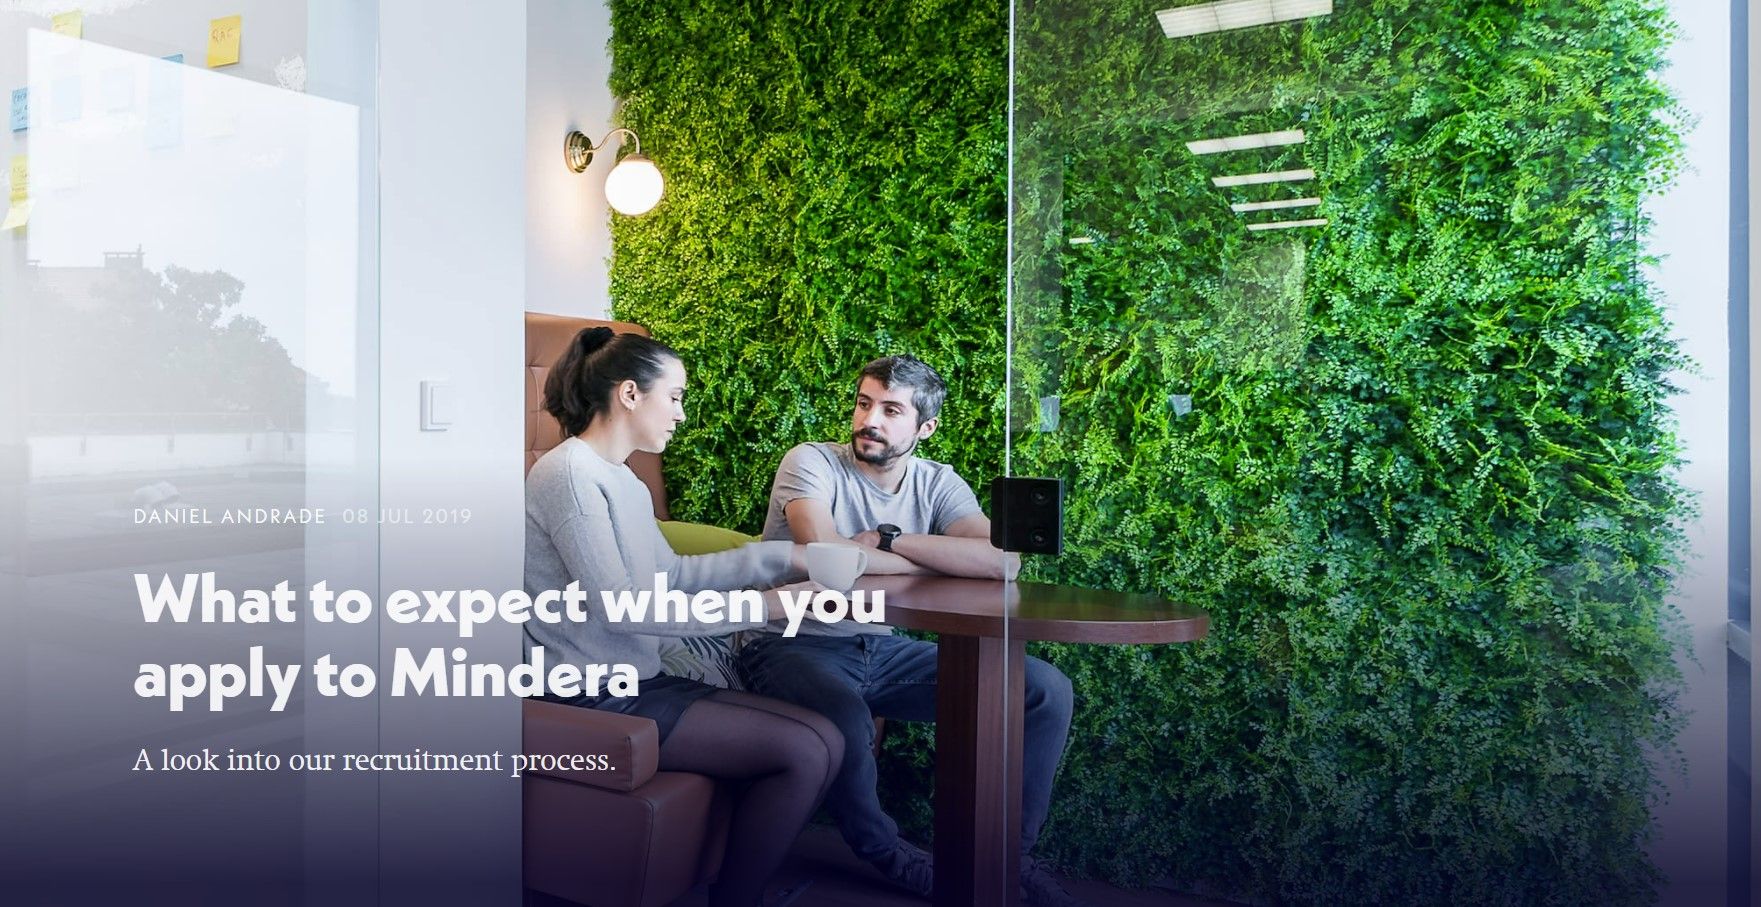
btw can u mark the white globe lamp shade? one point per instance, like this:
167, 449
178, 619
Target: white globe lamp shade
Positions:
634, 186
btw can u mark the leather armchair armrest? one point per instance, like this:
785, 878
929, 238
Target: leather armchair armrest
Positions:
630, 744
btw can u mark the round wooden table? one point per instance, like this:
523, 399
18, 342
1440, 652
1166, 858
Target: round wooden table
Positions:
984, 627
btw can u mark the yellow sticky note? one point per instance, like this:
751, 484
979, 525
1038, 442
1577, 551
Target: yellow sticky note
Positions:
223, 37
17, 215
71, 24
20, 178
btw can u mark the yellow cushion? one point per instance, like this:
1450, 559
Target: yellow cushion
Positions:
701, 538
708, 658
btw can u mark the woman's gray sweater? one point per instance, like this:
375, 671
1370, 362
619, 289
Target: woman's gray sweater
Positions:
592, 522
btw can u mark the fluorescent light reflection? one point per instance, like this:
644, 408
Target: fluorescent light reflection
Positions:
1224, 15
1288, 224
1280, 204
1245, 142
1257, 179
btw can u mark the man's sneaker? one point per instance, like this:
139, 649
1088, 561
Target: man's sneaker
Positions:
1040, 889
909, 867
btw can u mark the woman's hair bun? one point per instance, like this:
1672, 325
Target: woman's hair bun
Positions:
591, 339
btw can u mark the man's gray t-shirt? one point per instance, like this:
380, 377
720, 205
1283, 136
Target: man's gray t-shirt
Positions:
932, 498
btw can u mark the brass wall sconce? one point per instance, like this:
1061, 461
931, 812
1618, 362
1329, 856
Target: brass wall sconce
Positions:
634, 185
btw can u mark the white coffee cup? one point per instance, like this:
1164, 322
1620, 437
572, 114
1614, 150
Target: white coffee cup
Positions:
835, 566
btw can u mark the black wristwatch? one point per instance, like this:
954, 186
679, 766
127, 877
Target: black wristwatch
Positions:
888, 532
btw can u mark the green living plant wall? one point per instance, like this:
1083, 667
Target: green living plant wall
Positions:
1416, 464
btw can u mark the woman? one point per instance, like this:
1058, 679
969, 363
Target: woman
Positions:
590, 520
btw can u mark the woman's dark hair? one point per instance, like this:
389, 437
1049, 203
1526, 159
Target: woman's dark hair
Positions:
597, 361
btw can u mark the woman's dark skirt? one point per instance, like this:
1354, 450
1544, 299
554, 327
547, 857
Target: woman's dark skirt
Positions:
663, 698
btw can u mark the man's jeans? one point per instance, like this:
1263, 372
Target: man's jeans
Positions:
853, 679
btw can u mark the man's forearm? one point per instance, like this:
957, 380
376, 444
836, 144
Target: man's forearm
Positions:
884, 562
955, 556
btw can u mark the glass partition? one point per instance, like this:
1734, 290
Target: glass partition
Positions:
188, 335
1330, 318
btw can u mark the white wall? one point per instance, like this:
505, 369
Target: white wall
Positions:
568, 233
452, 101
1691, 224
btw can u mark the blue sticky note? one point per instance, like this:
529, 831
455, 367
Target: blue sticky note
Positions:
165, 105
174, 58
165, 127
69, 98
119, 89
21, 109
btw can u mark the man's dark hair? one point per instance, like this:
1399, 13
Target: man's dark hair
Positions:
597, 361
928, 390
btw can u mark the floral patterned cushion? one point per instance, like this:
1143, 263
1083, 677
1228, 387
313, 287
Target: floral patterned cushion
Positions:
706, 658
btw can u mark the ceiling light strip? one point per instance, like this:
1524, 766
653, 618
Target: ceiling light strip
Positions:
1278, 205
1245, 142
1288, 224
1226, 15
1256, 179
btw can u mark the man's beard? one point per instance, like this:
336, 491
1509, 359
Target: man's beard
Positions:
887, 454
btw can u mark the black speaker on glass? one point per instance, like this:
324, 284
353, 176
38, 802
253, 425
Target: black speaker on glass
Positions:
1027, 515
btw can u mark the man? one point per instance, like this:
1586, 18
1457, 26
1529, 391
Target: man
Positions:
914, 516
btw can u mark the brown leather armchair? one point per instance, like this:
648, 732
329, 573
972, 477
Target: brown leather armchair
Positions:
636, 836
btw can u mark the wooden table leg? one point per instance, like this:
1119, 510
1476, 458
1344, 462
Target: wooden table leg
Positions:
979, 705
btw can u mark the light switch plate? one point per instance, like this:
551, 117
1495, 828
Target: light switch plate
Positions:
437, 405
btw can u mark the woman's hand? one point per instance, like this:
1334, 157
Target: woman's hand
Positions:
774, 602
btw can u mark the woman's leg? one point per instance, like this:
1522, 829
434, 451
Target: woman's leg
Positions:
820, 725
786, 761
